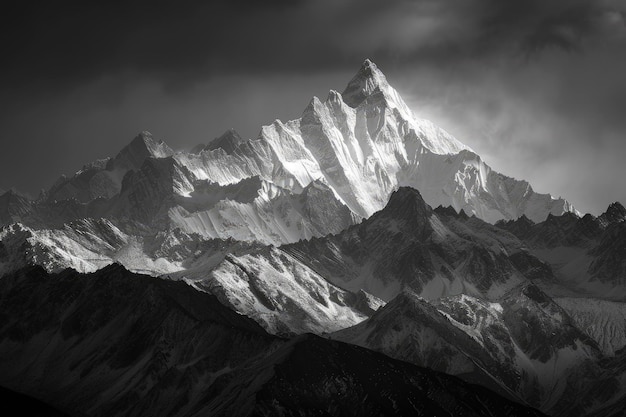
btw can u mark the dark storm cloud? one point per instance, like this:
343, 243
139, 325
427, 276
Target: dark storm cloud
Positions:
188, 40
534, 25
487, 29
70, 45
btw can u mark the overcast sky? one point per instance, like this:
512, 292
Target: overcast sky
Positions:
537, 87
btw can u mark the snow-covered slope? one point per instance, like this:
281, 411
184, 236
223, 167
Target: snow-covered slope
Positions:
604, 321
87, 245
466, 183
524, 344
228, 141
586, 253
257, 210
411, 329
283, 295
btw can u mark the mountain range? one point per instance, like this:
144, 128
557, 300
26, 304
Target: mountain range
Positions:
308, 177
357, 250
116, 343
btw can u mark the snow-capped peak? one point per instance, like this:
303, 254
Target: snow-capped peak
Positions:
369, 90
616, 210
156, 148
334, 97
368, 80
228, 141
141, 147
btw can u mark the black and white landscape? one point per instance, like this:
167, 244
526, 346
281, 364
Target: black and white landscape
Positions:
358, 260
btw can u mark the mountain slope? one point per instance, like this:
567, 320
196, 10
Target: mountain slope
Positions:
586, 253
604, 321
112, 342
282, 295
87, 245
409, 245
104, 178
524, 345
344, 380
119, 344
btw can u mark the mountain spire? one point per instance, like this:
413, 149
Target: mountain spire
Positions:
228, 141
614, 213
140, 148
368, 80
407, 205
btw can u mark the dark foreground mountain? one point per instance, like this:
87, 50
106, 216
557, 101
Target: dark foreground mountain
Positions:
116, 343
15, 404
524, 346
321, 377
119, 344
